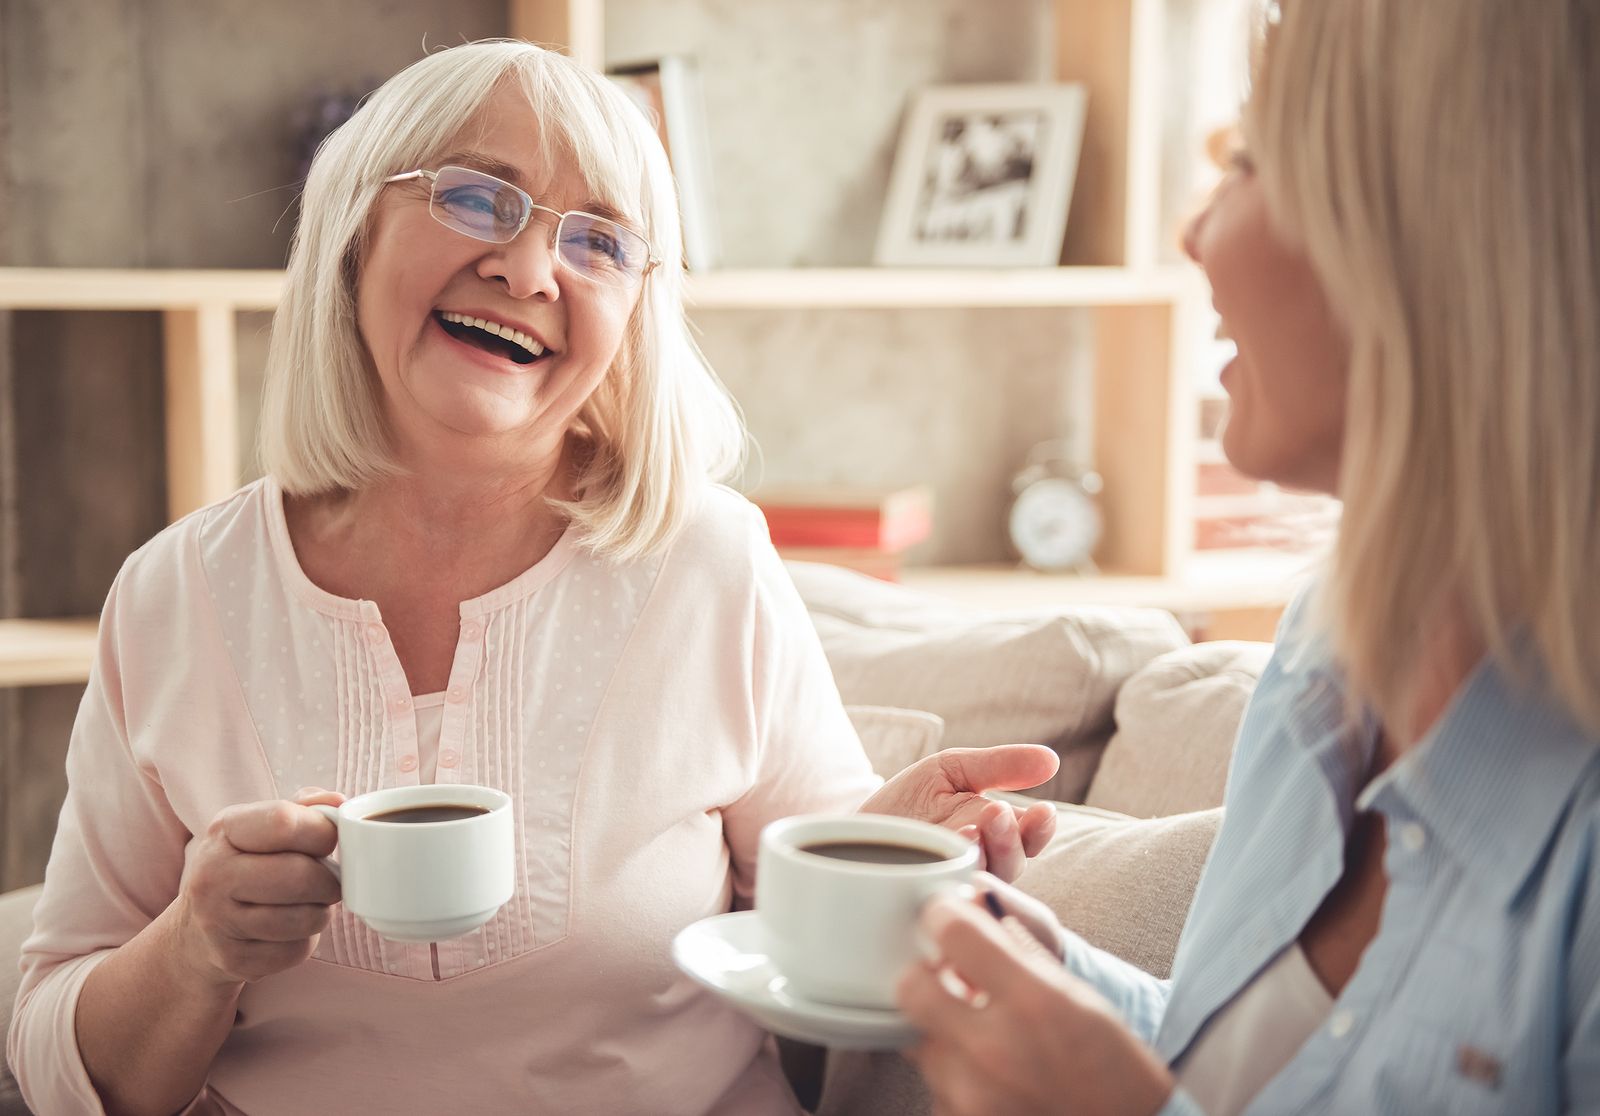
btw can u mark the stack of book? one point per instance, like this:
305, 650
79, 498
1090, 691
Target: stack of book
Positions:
868, 531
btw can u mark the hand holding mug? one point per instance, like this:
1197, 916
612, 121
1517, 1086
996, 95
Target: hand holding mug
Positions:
254, 896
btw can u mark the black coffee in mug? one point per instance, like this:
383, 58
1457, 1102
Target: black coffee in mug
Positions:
874, 852
445, 811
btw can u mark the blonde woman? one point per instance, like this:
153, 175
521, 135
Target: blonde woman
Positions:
488, 550
1402, 911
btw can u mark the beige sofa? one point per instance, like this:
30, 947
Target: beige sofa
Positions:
1143, 720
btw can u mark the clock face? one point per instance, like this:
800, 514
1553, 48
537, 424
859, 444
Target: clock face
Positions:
1054, 524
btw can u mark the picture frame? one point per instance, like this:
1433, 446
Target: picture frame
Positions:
667, 90
983, 176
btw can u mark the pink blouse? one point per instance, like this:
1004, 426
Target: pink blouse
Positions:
648, 719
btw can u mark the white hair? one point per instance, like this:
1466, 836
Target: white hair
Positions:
658, 427
1439, 161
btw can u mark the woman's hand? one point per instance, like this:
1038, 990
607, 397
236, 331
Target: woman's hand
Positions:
1007, 1029
254, 898
947, 789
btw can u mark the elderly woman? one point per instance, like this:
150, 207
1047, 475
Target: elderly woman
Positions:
1402, 910
489, 550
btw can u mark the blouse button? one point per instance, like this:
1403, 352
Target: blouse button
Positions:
375, 633
456, 695
401, 704
448, 758
471, 630
1413, 837
408, 763
1340, 1024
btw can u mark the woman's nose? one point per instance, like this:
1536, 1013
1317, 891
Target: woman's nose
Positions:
527, 265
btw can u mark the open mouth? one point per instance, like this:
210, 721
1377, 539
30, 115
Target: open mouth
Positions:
491, 338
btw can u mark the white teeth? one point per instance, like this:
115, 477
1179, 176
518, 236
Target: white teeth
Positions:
497, 329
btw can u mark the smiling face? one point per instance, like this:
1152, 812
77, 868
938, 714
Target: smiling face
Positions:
449, 392
1286, 387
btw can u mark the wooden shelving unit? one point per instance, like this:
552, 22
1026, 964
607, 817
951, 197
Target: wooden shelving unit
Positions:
1144, 317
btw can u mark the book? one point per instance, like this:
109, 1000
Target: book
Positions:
667, 91
891, 521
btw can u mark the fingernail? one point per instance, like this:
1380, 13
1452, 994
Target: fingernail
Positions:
970, 832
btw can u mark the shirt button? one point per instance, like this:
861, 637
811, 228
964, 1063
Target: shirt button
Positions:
448, 758
375, 633
1413, 837
470, 630
408, 763
456, 695
1341, 1023
401, 704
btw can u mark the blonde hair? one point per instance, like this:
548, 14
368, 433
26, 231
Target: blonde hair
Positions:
1439, 162
659, 426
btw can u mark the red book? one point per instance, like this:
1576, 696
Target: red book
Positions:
887, 521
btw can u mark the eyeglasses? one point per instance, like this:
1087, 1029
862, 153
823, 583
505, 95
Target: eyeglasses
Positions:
488, 208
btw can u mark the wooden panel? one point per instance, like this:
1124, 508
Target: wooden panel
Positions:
894, 287
45, 652
1144, 445
1226, 585
71, 288
202, 407
576, 26
1114, 48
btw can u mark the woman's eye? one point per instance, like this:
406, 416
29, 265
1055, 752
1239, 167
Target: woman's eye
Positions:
471, 199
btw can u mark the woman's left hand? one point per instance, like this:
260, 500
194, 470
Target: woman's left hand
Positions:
1025, 1037
947, 789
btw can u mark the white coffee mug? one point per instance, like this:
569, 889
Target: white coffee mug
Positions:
843, 931
424, 881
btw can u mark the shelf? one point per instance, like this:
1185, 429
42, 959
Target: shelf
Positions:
1219, 581
112, 289
917, 288
45, 652
67, 288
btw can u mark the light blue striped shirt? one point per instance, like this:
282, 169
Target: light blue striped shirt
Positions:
1481, 991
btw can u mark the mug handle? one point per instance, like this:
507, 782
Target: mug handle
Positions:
332, 814
961, 892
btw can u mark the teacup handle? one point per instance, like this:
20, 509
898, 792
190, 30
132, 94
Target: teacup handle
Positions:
332, 814
961, 892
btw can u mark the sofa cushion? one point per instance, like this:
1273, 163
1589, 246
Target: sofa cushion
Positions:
1124, 884
894, 739
994, 678
1176, 723
16, 923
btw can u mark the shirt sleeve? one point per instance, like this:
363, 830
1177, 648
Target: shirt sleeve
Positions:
1137, 997
809, 758
115, 864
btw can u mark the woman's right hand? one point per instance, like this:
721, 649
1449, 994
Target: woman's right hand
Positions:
254, 897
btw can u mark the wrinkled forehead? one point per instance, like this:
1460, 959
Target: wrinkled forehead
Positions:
556, 167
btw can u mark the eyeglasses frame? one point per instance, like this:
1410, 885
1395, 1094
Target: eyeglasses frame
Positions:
652, 261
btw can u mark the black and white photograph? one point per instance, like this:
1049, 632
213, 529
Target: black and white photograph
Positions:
983, 177
975, 186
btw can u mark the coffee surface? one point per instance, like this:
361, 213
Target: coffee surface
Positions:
410, 815
874, 852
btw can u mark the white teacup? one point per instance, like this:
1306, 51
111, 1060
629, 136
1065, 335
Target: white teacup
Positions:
424, 881
842, 931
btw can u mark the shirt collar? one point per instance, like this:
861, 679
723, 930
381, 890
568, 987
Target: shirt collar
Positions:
1495, 774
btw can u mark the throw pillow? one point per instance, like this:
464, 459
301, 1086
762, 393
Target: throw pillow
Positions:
994, 678
894, 739
1176, 723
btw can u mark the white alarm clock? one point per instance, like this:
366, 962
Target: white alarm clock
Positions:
1055, 521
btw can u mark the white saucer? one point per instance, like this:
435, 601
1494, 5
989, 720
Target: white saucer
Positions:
727, 954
